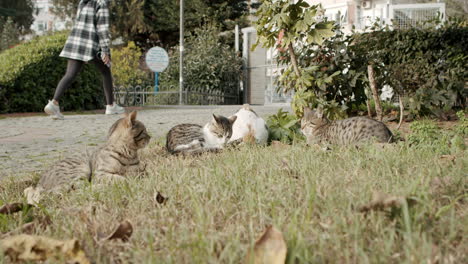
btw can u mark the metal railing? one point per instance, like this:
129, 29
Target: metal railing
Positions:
146, 96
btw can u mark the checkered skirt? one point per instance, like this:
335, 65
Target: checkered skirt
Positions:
90, 33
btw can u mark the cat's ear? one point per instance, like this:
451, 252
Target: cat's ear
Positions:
215, 118
131, 118
307, 110
232, 119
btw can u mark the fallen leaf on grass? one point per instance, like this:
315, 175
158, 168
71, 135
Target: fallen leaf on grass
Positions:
123, 232
38, 248
448, 157
160, 199
12, 208
270, 248
382, 201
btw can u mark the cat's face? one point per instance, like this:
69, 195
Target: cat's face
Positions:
130, 132
311, 120
221, 127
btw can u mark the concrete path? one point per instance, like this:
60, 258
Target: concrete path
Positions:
29, 144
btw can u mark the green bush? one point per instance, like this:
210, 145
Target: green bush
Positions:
209, 66
425, 64
30, 72
126, 67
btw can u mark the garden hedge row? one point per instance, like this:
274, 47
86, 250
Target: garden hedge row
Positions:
30, 72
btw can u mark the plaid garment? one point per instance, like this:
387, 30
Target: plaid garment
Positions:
90, 33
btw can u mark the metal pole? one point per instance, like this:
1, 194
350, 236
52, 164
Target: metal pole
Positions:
181, 60
236, 38
156, 82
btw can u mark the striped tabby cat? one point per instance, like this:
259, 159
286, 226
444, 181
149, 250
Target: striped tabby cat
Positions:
194, 139
112, 161
318, 129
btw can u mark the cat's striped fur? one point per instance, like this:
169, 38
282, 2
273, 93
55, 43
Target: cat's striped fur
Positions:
318, 129
111, 161
194, 139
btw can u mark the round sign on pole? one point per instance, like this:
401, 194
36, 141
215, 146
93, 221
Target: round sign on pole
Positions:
157, 59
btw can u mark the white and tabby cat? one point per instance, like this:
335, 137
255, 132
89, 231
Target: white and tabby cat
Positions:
194, 139
111, 161
318, 129
249, 123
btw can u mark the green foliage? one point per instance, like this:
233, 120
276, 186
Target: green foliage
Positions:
462, 127
426, 64
297, 22
30, 72
283, 127
10, 35
424, 132
156, 23
21, 11
209, 66
126, 67
427, 134
162, 18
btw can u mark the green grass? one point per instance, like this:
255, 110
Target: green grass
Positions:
220, 203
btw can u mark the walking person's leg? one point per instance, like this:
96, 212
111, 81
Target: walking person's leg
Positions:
111, 106
73, 68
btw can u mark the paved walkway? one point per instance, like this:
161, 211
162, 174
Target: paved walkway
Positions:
28, 144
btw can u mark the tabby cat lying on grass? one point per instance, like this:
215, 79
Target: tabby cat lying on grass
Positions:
110, 162
318, 129
195, 139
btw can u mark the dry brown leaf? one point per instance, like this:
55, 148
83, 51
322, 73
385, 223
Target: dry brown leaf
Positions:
448, 157
382, 201
11, 208
123, 232
160, 199
270, 248
38, 248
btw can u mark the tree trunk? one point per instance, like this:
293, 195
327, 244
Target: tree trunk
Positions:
402, 108
369, 111
375, 94
294, 59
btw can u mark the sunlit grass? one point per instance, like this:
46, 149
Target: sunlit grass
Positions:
218, 204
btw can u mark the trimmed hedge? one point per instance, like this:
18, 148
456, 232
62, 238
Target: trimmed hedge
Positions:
30, 72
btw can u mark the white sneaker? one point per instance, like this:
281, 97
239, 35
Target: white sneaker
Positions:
53, 110
114, 109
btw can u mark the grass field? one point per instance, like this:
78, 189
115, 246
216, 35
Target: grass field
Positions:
218, 205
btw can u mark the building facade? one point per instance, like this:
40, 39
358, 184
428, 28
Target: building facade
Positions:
261, 70
359, 14
44, 19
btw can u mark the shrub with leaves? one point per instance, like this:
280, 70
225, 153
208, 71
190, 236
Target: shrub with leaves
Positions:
126, 67
425, 64
293, 28
30, 72
283, 127
209, 65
